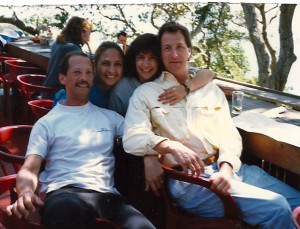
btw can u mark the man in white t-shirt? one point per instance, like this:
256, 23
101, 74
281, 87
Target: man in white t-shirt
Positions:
76, 141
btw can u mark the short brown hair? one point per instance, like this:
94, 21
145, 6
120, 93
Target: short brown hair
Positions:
174, 27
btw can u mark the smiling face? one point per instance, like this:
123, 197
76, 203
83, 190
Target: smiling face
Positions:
78, 80
109, 67
175, 54
146, 66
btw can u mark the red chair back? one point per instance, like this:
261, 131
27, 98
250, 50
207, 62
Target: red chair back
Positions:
40, 107
6, 81
18, 67
13, 146
32, 85
3, 57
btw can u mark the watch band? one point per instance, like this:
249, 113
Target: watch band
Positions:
186, 88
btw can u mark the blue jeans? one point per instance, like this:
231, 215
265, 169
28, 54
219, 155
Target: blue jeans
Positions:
264, 200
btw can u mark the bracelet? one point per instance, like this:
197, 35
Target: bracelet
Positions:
186, 88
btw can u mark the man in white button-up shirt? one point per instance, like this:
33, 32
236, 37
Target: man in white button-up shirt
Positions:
193, 130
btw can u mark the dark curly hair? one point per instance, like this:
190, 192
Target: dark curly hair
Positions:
147, 42
72, 32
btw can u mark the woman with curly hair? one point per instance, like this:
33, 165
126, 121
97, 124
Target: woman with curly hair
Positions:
72, 38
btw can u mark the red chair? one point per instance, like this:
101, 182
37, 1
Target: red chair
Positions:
31, 86
13, 145
40, 107
8, 195
5, 80
176, 217
18, 67
296, 214
15, 68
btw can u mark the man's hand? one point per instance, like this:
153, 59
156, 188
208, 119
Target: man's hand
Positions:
187, 158
153, 174
221, 179
26, 204
172, 95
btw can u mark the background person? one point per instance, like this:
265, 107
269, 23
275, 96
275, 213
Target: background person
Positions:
72, 38
122, 40
198, 135
76, 141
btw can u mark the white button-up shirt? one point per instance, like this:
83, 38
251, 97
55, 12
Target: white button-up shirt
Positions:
201, 121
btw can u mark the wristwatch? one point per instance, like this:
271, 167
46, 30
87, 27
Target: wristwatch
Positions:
186, 88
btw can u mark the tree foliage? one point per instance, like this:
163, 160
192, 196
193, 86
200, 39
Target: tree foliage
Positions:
273, 68
215, 31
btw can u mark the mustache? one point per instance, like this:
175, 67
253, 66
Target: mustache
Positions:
83, 82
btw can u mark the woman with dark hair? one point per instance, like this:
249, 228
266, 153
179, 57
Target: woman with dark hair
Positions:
142, 64
72, 38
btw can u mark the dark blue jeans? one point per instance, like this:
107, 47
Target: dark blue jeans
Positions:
71, 207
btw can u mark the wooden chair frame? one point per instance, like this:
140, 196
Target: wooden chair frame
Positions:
178, 218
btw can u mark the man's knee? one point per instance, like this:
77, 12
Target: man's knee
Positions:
65, 210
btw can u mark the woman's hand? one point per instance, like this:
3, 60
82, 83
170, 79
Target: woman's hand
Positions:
153, 174
172, 95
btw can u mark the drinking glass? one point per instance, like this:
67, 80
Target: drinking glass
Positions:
237, 102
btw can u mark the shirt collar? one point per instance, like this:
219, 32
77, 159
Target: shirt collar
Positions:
167, 76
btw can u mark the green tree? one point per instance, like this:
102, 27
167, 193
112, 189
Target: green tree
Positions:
273, 67
214, 30
219, 46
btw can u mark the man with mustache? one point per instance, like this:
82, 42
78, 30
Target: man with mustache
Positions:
75, 139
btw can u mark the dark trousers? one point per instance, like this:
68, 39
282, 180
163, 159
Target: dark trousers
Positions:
71, 207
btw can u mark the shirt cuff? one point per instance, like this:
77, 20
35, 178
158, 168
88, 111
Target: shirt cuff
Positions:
231, 159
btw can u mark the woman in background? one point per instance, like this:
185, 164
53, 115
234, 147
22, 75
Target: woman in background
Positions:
72, 38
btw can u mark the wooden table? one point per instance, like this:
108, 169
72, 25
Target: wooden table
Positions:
280, 159
34, 53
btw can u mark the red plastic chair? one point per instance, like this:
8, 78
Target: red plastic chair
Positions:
176, 217
18, 67
31, 86
5, 80
15, 68
8, 195
40, 107
13, 145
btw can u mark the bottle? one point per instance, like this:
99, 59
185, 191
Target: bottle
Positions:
49, 37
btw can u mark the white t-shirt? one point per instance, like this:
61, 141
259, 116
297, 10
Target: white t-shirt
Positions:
77, 143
